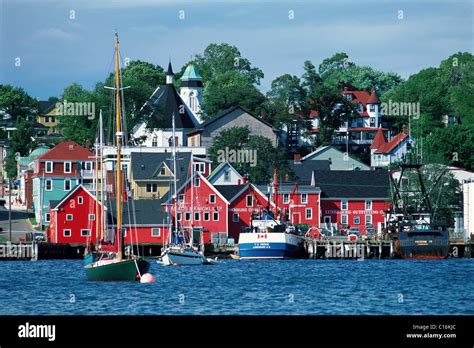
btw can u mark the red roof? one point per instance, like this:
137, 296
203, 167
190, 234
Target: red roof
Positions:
396, 140
379, 140
67, 150
374, 98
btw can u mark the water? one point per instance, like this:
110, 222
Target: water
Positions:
294, 287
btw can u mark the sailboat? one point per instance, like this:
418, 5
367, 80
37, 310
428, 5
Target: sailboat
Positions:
108, 263
179, 249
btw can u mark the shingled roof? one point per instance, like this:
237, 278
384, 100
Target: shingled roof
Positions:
353, 184
145, 212
67, 150
145, 165
305, 169
230, 191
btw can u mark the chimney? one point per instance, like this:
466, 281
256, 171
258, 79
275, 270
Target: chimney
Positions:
239, 182
297, 158
244, 179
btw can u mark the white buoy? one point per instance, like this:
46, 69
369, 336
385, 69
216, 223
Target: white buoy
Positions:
147, 278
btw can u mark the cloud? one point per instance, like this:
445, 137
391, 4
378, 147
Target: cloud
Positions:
55, 34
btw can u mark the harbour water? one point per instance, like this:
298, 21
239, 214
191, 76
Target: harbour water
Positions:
290, 287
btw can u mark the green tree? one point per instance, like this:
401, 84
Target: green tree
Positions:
16, 102
230, 89
21, 139
239, 138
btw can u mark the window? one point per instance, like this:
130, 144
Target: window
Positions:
360, 108
372, 107
368, 205
46, 119
356, 220
179, 216
155, 232
348, 96
53, 119
344, 220
372, 121
154, 142
48, 183
67, 167
286, 198
235, 217
309, 213
163, 170
304, 198
47, 217
69, 217
197, 181
67, 233
85, 233
368, 219
181, 198
197, 216
80, 200
227, 175
124, 231
212, 198
207, 216
187, 216
249, 200
215, 216
88, 166
67, 185
91, 217
344, 204
49, 167
199, 167
151, 187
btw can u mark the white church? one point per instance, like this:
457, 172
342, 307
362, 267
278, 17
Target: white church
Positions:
163, 103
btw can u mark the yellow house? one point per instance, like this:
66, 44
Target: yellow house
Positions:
48, 116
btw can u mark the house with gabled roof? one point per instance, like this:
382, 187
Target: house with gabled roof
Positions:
384, 152
338, 160
225, 174
57, 172
237, 116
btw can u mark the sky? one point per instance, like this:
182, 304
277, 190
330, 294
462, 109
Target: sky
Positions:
45, 45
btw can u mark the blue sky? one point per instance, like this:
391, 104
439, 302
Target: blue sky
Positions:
56, 50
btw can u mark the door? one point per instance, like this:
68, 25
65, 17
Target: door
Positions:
296, 218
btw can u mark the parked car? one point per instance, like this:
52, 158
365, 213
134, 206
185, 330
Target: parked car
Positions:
39, 236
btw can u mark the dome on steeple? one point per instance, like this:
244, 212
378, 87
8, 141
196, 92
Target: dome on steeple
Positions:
191, 77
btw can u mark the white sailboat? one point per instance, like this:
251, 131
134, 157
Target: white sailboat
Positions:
179, 250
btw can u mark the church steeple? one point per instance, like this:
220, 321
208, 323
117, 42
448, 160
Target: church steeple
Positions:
169, 74
191, 90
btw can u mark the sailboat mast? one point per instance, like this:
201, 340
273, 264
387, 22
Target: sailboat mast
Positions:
174, 177
119, 135
101, 154
96, 169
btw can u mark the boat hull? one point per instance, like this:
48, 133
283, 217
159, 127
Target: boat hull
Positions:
125, 270
172, 258
274, 245
426, 245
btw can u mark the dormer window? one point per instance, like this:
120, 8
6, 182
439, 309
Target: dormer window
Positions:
372, 107
67, 167
360, 108
154, 142
49, 167
348, 96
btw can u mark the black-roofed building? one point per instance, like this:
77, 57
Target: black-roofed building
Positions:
157, 114
204, 134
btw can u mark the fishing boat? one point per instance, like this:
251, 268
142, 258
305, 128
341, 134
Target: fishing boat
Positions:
108, 262
269, 237
180, 249
415, 233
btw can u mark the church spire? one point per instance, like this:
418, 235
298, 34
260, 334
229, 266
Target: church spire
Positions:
169, 74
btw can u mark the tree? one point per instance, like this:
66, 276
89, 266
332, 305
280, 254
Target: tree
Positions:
229, 80
16, 102
21, 138
327, 101
230, 89
266, 157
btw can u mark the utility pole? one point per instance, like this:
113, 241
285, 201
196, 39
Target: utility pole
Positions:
10, 207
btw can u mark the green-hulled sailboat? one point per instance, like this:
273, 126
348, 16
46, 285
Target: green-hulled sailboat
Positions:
111, 265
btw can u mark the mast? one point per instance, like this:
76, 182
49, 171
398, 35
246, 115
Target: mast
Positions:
192, 201
174, 178
119, 135
96, 192
275, 192
101, 156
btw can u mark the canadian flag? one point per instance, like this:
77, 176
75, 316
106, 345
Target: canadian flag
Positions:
263, 236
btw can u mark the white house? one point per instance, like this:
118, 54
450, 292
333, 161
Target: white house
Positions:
225, 174
384, 153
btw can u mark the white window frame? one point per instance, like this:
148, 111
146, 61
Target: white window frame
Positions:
286, 198
197, 181
186, 214
235, 217
310, 211
69, 215
70, 184
179, 216
47, 217
368, 219
80, 200
153, 230
89, 166
346, 203
247, 200
197, 216
64, 232
46, 167
212, 198
305, 200
91, 217
181, 198
214, 216
70, 167
346, 218
370, 204
85, 235
206, 214
227, 175
46, 186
